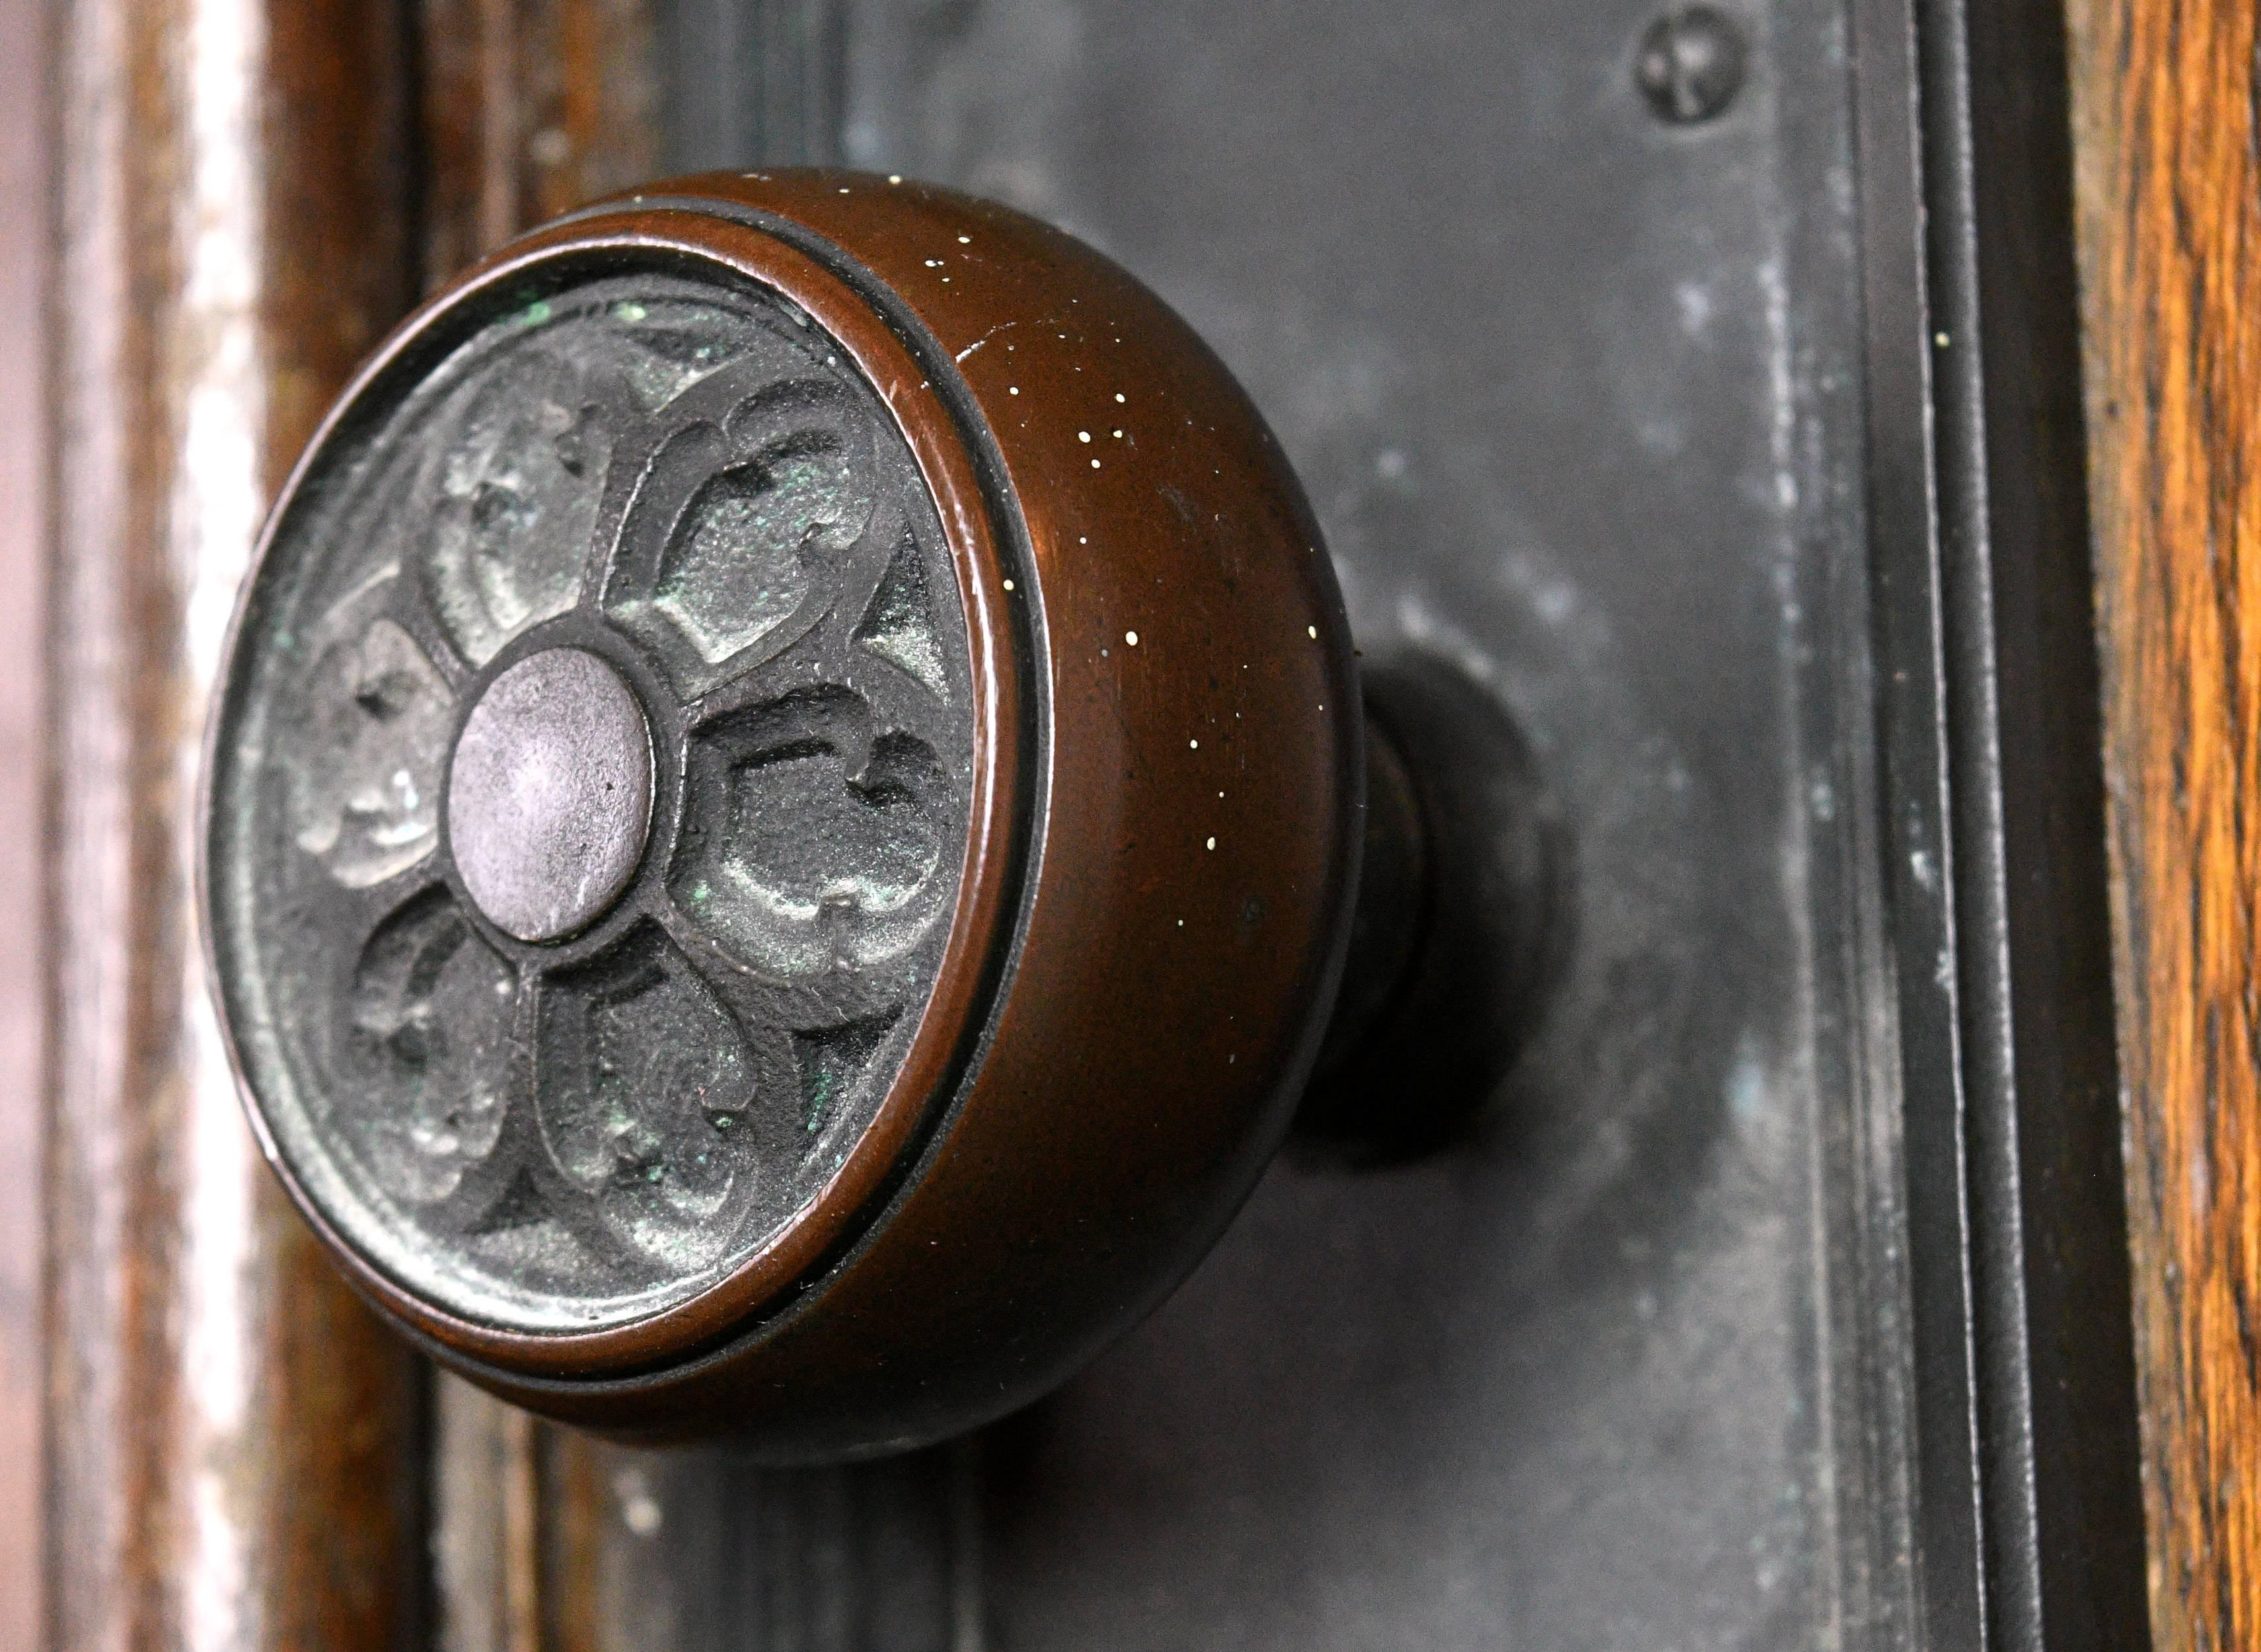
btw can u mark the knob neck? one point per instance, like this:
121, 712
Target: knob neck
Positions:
1462, 919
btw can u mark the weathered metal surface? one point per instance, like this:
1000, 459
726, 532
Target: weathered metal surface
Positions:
2029, 1531
561, 1074
1595, 357
1572, 390
234, 1451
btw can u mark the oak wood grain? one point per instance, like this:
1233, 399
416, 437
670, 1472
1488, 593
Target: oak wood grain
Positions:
2170, 206
233, 1442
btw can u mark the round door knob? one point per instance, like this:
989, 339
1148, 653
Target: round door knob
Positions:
781, 825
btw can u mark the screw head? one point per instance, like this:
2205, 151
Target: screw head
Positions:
1691, 65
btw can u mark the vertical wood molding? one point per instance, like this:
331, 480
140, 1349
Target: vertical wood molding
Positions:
234, 1458
530, 108
2170, 206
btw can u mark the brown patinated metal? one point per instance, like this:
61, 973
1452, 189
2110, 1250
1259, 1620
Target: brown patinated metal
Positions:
1155, 894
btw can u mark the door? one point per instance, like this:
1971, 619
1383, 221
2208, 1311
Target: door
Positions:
1702, 383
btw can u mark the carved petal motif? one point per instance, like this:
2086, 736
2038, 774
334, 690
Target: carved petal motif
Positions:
365, 796
648, 1098
429, 1062
816, 839
572, 1135
739, 563
517, 487
745, 521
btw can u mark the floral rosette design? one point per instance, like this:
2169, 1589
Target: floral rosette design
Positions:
690, 480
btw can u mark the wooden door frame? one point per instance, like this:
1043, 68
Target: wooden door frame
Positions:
2170, 196
250, 192
233, 1445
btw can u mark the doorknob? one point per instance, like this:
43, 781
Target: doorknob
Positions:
782, 823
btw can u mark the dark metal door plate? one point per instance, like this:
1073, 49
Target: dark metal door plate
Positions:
1655, 368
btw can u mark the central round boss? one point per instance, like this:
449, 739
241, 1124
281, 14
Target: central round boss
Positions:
550, 794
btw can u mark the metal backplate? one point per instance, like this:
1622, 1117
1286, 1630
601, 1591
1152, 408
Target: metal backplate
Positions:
1572, 390
1566, 312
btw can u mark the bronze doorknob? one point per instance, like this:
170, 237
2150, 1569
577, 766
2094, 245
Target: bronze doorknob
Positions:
781, 826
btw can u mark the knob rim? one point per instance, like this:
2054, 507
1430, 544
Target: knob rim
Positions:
1192, 776
990, 571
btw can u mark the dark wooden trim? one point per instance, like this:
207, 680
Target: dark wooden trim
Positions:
2169, 198
529, 108
234, 1455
